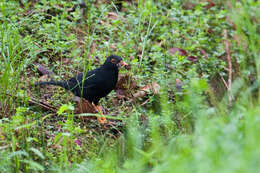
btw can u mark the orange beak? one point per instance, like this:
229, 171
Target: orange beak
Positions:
122, 64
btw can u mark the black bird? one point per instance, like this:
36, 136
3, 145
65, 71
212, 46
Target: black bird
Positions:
95, 84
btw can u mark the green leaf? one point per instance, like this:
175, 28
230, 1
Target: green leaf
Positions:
65, 108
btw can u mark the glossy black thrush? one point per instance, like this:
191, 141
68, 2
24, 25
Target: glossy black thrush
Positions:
95, 84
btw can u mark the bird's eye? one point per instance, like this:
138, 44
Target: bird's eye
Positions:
113, 61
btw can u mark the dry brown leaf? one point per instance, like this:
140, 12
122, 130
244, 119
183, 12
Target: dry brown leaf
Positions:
125, 81
66, 61
120, 94
192, 58
153, 87
210, 4
84, 106
125, 84
112, 15
204, 53
180, 51
43, 70
184, 53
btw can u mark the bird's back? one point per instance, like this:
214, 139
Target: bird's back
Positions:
96, 84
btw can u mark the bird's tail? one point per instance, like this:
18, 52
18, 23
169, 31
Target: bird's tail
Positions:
57, 83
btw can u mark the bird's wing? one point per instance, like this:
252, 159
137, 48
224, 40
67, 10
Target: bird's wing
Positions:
90, 80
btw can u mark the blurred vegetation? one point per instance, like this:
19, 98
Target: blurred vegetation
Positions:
204, 118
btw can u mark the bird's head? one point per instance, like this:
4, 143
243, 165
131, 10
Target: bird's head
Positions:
114, 61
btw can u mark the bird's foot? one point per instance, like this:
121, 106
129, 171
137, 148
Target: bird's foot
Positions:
102, 119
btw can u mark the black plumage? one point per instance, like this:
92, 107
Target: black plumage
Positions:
97, 83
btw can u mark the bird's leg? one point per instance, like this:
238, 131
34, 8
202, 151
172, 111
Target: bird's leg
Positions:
101, 120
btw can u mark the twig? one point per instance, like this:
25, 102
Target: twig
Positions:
118, 119
227, 47
37, 102
146, 101
223, 80
42, 104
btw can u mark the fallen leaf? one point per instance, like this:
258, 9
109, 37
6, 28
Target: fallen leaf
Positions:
184, 53
153, 87
140, 93
120, 94
112, 15
66, 61
192, 58
210, 4
83, 106
43, 70
180, 51
125, 84
204, 53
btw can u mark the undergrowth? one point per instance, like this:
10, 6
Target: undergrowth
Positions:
197, 122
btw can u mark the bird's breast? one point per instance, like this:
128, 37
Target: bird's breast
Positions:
110, 80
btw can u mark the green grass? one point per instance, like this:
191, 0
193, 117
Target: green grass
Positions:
189, 130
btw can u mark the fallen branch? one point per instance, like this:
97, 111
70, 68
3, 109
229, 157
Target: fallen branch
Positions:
42, 104
39, 103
